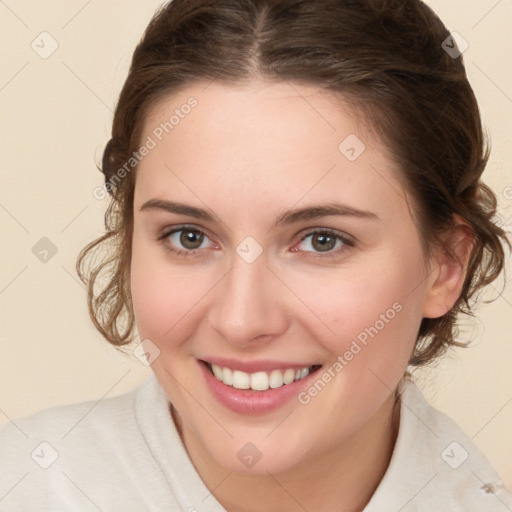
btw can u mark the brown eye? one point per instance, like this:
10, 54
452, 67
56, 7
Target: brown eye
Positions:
186, 240
191, 239
323, 242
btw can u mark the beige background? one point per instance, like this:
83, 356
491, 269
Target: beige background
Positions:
56, 114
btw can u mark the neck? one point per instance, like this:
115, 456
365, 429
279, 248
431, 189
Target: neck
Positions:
342, 479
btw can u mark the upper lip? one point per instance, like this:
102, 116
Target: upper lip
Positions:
254, 366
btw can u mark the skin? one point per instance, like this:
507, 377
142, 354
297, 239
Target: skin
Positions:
247, 154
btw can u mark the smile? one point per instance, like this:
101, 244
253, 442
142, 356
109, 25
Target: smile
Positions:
256, 386
262, 380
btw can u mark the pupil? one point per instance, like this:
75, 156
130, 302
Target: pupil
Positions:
323, 242
191, 239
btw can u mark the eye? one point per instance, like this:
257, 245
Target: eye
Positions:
324, 241
185, 240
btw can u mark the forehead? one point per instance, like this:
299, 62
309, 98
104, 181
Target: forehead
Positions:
268, 112
264, 143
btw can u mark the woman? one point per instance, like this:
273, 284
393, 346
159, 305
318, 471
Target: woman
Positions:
297, 220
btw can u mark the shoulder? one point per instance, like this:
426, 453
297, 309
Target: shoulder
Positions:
70, 420
38, 450
436, 466
118, 453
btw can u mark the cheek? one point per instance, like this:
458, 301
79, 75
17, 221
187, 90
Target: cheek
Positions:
371, 313
166, 298
375, 315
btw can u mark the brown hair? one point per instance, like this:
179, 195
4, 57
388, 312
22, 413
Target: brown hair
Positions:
385, 56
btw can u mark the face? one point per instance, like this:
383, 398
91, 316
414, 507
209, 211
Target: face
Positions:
272, 250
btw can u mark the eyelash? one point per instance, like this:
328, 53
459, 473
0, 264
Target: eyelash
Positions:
347, 242
179, 252
344, 239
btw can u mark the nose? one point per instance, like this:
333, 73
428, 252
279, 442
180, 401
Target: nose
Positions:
249, 305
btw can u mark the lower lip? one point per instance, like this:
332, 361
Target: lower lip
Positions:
248, 401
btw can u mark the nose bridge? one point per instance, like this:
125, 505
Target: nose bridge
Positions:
248, 304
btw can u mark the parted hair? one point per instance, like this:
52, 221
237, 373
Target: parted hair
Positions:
386, 57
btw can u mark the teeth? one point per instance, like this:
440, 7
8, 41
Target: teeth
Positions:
276, 379
241, 380
227, 376
289, 376
259, 381
217, 371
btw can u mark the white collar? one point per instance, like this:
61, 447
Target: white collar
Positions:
435, 466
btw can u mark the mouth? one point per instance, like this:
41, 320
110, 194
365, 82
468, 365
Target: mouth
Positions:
259, 380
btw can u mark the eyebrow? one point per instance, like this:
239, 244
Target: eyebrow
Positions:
288, 217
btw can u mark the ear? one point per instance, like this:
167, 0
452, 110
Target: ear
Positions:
448, 268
